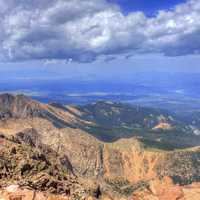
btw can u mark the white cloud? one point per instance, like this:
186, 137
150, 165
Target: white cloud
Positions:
84, 30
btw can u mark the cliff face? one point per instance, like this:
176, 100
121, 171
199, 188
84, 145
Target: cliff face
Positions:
128, 159
57, 141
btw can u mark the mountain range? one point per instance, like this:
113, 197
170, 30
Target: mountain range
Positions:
103, 150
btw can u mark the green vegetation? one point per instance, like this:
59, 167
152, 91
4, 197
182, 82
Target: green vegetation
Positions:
124, 187
150, 144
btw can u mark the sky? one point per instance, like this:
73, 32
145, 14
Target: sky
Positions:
149, 7
98, 39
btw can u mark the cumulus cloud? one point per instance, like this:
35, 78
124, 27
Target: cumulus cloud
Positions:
85, 30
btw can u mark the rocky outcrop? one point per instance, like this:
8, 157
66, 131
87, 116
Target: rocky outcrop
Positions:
18, 106
164, 189
39, 169
128, 159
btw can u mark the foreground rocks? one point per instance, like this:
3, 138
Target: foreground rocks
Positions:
38, 169
13, 192
165, 190
158, 190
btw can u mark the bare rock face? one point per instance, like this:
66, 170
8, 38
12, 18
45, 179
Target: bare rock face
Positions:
165, 189
18, 106
192, 192
129, 160
29, 136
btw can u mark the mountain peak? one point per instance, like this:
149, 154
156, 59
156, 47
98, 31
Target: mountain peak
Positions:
17, 106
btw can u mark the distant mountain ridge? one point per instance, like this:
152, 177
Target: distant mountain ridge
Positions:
102, 115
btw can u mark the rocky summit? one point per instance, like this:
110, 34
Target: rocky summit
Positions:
104, 150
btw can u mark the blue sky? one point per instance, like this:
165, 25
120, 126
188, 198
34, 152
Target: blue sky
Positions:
149, 7
83, 40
